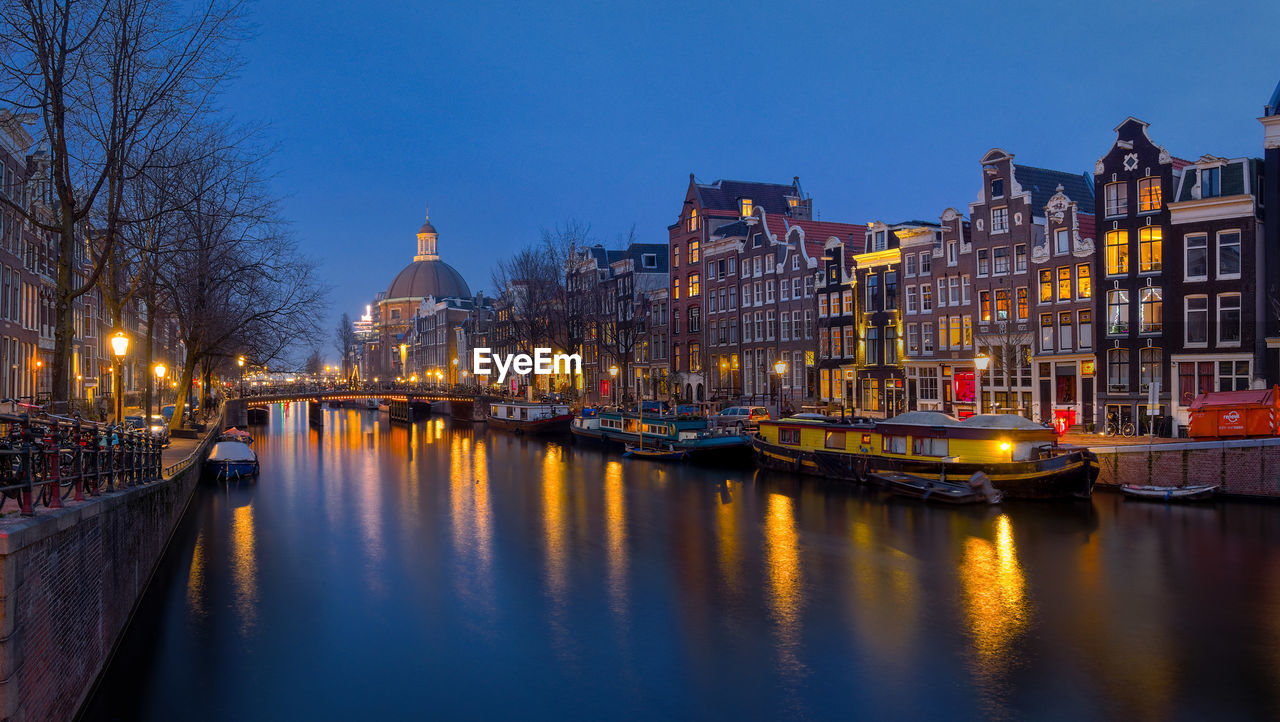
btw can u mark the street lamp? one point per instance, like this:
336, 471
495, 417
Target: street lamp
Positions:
613, 383
780, 367
404, 357
119, 347
454, 380
980, 363
240, 363
160, 371
35, 380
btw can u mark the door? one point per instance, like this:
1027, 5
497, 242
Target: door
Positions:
1046, 401
1086, 400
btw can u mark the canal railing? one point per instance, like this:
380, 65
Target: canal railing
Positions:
46, 459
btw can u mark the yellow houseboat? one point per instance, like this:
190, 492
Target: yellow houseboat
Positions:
1020, 456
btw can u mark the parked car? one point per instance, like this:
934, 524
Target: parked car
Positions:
741, 418
160, 428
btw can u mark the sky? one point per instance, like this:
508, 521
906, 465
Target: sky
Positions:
513, 117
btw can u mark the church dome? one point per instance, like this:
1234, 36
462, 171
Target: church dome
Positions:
428, 275
428, 278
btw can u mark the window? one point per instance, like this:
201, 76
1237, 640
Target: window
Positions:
952, 257
795, 287
695, 321
834, 440
733, 266
1117, 311
693, 219
890, 290
1064, 283
733, 298
1210, 182
968, 331
911, 299
873, 292
965, 289
1084, 288
1149, 367
649, 260
984, 264
1022, 304
788, 436
984, 306
1117, 195
1046, 285
822, 306
997, 187
1117, 252
999, 220
913, 339
942, 333
784, 290
1062, 241
771, 324
881, 241
926, 261
926, 337
808, 325
1229, 319
695, 285
835, 303
1065, 339
755, 264
1000, 261
1148, 195
768, 291
755, 289
675, 288
1150, 310
824, 340
675, 256
924, 446
926, 298
873, 346
850, 341
1002, 304
955, 333
1149, 248
1196, 253
808, 286
1046, 332
1229, 254
1233, 375
795, 263
1117, 369
847, 297
953, 298
1020, 258
909, 265
927, 383
890, 345
1086, 329
745, 205
1196, 320
835, 342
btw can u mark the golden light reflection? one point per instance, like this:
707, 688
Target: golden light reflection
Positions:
995, 598
615, 504
727, 537
195, 580
553, 470
786, 581
244, 568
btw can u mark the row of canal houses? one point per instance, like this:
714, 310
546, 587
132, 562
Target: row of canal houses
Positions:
1117, 294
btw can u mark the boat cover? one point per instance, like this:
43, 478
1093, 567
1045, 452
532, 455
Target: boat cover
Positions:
1001, 421
922, 418
232, 451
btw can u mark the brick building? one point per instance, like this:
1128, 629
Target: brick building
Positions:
1270, 200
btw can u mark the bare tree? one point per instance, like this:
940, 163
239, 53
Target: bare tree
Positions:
109, 84
314, 363
344, 340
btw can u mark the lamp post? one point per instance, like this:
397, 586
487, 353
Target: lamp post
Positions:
119, 347
613, 384
980, 363
454, 380
404, 357
35, 380
780, 367
240, 363
160, 371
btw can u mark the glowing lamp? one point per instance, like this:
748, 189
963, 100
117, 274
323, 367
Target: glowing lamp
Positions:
119, 344
780, 367
981, 362
160, 371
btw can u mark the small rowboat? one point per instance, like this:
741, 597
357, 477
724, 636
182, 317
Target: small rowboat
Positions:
640, 452
1193, 492
977, 490
235, 434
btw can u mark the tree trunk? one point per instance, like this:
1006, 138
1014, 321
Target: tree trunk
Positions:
180, 403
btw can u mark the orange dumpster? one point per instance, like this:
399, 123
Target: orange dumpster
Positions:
1236, 414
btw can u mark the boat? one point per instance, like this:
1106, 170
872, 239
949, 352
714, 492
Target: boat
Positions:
684, 432
977, 490
371, 404
235, 434
1022, 458
231, 460
1191, 492
529, 417
384, 406
655, 453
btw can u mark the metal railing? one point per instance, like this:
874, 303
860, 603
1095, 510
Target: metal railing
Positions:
44, 459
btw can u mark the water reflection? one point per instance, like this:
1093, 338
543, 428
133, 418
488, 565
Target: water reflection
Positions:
244, 567
995, 603
786, 593
615, 502
195, 580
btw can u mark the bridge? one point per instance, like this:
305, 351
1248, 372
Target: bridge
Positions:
403, 402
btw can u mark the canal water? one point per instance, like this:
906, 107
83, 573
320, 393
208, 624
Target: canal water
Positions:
446, 571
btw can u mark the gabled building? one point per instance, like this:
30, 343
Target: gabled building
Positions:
1215, 281
1132, 183
886, 327
1269, 199
706, 208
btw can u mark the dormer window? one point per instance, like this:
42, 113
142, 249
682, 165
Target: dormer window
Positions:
997, 187
746, 207
1210, 182
649, 260
693, 219
792, 201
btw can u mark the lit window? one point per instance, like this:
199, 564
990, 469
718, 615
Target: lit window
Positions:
1149, 248
1064, 283
1022, 304
1148, 195
695, 286
675, 288
693, 219
926, 298
1084, 287
1046, 285
1117, 252
1150, 310
694, 253
745, 203
1002, 304
1117, 311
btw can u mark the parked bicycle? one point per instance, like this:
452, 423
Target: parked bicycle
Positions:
1115, 427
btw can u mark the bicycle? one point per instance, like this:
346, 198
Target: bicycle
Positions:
1115, 427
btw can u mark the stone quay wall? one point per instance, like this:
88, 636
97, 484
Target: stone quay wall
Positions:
1246, 468
69, 582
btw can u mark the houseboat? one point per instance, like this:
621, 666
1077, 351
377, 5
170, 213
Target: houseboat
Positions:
676, 433
231, 460
1022, 458
529, 417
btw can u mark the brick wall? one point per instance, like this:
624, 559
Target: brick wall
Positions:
69, 580
1242, 468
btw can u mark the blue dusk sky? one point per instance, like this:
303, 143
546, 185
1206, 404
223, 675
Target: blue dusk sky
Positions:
511, 117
